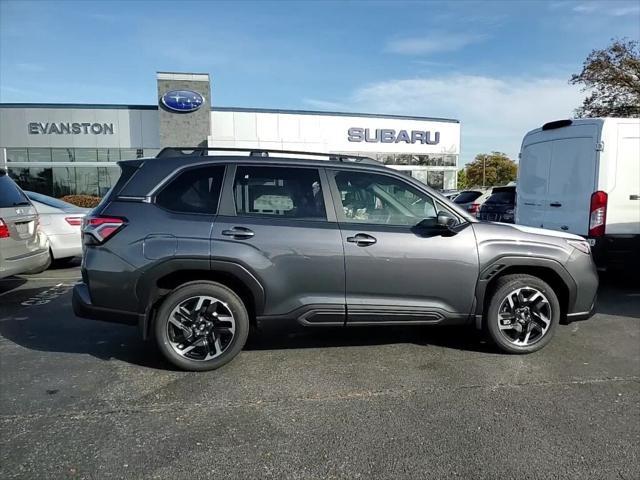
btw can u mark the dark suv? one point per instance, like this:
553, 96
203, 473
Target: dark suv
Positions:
500, 206
194, 249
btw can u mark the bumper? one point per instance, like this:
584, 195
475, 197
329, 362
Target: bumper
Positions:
24, 264
66, 245
583, 270
82, 307
577, 316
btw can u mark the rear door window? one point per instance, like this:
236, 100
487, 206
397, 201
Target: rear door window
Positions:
282, 192
196, 190
10, 194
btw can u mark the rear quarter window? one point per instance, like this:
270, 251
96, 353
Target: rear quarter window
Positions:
196, 190
10, 194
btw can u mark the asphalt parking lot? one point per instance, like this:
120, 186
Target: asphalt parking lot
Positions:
84, 399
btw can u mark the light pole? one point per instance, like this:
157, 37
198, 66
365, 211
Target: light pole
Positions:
484, 169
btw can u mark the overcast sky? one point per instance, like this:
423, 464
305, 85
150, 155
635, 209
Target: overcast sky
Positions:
501, 68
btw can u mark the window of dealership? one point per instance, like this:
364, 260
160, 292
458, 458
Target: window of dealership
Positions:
90, 171
65, 171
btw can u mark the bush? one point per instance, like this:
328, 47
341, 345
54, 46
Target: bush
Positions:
86, 201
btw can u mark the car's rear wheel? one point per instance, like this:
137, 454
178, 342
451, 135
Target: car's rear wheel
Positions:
522, 314
201, 326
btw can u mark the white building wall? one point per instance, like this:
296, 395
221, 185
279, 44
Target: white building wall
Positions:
324, 133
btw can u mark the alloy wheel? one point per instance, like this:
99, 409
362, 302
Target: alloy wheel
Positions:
524, 316
201, 328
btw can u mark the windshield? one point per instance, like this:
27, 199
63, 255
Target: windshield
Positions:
10, 194
466, 197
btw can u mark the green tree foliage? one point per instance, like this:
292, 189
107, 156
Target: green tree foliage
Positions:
612, 78
462, 179
490, 169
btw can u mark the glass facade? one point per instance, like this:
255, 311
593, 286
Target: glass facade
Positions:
436, 170
93, 171
65, 171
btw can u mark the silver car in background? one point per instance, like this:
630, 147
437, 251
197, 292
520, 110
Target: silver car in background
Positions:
22, 248
472, 200
61, 222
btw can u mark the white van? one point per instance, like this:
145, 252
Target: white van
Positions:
583, 176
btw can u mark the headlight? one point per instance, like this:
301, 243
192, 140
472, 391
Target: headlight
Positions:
581, 245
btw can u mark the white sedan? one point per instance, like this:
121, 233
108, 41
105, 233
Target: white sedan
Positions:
61, 222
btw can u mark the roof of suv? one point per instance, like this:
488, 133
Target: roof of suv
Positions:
160, 168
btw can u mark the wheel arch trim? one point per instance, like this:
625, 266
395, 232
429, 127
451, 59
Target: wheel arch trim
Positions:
501, 266
149, 293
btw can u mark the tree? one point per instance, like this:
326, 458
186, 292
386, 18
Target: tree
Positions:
612, 76
489, 169
462, 179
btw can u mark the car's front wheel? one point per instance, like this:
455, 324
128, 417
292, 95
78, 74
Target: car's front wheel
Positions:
201, 326
522, 314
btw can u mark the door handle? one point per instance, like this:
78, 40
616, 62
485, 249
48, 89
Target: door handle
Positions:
238, 232
555, 204
362, 239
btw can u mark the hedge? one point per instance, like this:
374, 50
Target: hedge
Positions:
86, 201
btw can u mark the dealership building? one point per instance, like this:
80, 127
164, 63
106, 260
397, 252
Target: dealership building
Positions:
61, 149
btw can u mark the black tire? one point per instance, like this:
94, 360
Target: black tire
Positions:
504, 286
194, 289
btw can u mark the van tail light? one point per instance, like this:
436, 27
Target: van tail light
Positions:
4, 229
96, 230
597, 214
473, 208
74, 221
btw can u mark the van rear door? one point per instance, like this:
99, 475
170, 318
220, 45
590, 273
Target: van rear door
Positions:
533, 173
571, 184
557, 177
623, 206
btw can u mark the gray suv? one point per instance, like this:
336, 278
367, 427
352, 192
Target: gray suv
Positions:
197, 248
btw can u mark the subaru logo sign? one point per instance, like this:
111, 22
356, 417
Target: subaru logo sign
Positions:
183, 101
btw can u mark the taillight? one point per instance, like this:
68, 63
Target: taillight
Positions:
597, 214
473, 208
102, 228
4, 229
74, 221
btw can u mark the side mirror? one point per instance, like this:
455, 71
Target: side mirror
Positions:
446, 220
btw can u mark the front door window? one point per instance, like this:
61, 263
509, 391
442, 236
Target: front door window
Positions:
381, 199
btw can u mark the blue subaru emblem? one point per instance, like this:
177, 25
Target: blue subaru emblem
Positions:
182, 101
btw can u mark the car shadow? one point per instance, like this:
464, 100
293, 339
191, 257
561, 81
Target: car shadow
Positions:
8, 284
293, 336
54, 328
48, 324
619, 294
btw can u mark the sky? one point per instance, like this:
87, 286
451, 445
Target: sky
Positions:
501, 68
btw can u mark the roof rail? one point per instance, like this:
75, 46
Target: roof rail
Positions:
253, 152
